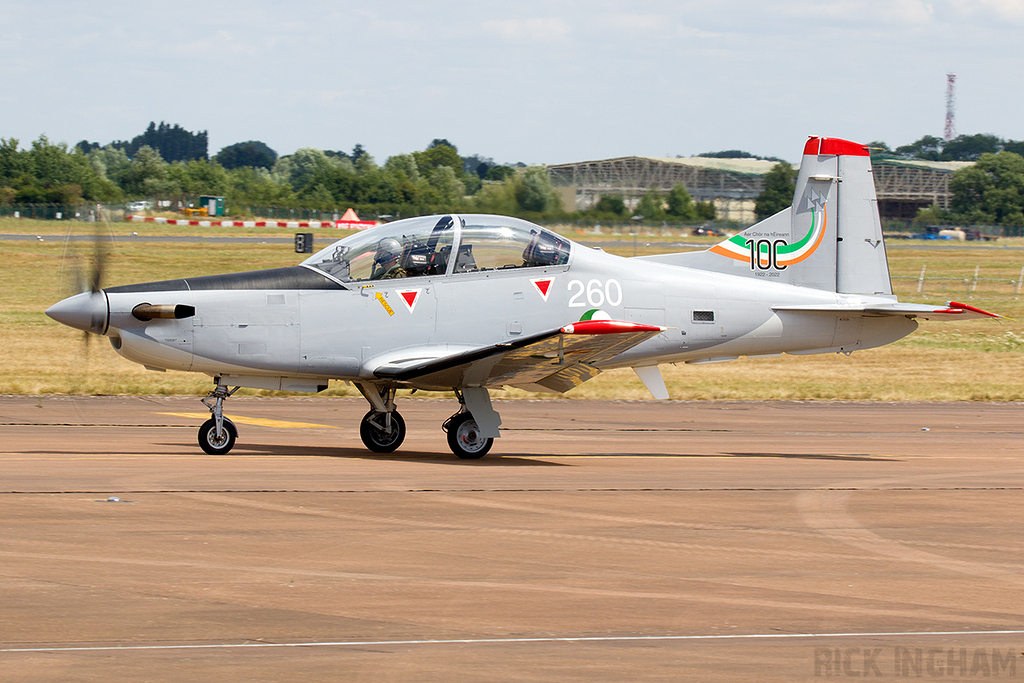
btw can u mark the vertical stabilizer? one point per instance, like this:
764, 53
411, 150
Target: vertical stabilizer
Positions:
830, 238
861, 264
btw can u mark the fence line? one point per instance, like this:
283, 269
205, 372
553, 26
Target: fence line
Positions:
1002, 285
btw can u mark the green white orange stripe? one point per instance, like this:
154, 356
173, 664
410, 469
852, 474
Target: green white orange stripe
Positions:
738, 247
789, 254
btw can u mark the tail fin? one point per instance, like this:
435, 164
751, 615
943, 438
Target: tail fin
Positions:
829, 239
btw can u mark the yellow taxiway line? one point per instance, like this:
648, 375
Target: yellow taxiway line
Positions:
257, 421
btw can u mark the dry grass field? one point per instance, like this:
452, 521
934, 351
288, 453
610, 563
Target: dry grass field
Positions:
975, 360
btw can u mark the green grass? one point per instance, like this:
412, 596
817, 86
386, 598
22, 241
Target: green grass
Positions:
974, 360
55, 229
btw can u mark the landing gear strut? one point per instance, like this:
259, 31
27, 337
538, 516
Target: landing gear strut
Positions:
382, 429
217, 435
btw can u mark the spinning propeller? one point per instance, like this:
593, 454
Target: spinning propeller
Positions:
86, 309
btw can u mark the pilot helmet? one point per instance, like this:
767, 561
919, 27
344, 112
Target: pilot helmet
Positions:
388, 249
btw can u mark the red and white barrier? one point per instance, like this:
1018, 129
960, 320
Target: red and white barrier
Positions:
351, 225
354, 225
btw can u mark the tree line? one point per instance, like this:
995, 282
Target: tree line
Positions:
960, 148
167, 162
174, 143
170, 163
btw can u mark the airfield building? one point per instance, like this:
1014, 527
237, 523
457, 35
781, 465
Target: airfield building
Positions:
734, 184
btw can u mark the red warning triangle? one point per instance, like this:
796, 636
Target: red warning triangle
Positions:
543, 286
410, 297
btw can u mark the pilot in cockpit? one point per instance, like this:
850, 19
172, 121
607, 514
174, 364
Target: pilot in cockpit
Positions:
387, 262
537, 252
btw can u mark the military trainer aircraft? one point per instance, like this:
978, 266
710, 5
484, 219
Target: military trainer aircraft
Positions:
466, 303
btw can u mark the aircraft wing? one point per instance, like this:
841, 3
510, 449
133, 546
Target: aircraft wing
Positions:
555, 360
952, 310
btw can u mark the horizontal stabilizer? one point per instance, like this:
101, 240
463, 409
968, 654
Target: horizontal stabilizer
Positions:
951, 311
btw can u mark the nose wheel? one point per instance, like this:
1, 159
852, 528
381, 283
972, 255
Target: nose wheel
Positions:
382, 429
217, 435
382, 432
464, 437
217, 444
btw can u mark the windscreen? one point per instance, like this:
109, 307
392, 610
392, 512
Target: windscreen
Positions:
423, 246
407, 248
499, 242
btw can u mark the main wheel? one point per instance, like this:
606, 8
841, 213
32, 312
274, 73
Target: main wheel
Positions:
211, 443
464, 437
376, 437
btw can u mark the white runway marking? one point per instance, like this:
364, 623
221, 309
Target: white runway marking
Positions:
550, 639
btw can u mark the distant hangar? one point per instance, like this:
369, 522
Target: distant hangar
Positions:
733, 184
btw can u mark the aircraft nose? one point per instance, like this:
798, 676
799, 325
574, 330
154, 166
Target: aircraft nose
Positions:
86, 311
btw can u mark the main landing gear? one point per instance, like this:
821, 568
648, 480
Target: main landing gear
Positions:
383, 429
464, 436
472, 430
217, 435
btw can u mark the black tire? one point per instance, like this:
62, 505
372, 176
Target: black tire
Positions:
464, 437
378, 440
209, 442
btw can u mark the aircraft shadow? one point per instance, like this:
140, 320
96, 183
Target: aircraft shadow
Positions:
853, 457
490, 460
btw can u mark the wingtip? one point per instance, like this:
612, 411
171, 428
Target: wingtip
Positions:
967, 307
608, 327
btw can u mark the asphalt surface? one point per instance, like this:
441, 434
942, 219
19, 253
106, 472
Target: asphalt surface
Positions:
600, 541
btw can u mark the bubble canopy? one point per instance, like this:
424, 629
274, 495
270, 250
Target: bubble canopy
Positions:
439, 246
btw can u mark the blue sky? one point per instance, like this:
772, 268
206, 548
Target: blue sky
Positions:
534, 81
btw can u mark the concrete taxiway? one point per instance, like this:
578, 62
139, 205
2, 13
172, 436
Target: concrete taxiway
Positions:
600, 541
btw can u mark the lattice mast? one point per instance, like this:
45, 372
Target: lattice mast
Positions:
950, 131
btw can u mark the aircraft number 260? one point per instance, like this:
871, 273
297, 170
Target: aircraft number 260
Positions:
594, 293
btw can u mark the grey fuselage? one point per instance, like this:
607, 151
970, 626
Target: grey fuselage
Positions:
297, 328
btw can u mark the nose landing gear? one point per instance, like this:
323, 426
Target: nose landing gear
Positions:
382, 432
382, 429
217, 435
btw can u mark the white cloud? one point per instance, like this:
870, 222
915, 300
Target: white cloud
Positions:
911, 12
690, 32
860, 12
650, 25
222, 43
538, 29
1007, 10
634, 22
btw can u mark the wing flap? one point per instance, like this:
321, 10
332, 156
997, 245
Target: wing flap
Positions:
557, 359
